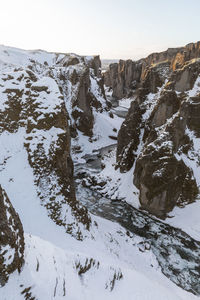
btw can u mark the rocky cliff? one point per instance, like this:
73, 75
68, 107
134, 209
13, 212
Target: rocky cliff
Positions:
11, 239
159, 138
128, 75
81, 83
47, 98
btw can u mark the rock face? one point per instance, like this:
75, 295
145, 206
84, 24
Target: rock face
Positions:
126, 76
129, 136
50, 158
123, 77
183, 79
82, 86
46, 103
11, 239
160, 135
163, 179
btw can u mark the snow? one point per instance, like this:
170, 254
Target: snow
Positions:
14, 57
196, 88
125, 102
187, 219
179, 216
58, 269
8, 255
45, 137
119, 185
103, 129
64, 250
192, 158
18, 181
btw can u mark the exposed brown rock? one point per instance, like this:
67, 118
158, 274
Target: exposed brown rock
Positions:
161, 174
183, 79
167, 105
190, 112
47, 141
163, 181
11, 239
95, 64
129, 137
190, 51
154, 77
83, 114
125, 76
83, 100
71, 61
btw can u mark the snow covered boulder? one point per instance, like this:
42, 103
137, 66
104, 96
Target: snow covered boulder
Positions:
11, 239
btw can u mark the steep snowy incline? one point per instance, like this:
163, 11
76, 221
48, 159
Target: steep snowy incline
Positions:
53, 273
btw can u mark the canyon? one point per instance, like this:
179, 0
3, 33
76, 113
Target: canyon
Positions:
99, 175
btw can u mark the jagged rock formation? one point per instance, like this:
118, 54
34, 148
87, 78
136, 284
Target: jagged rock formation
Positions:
51, 160
82, 86
128, 75
160, 134
46, 98
11, 239
123, 77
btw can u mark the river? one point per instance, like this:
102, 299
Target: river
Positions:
177, 253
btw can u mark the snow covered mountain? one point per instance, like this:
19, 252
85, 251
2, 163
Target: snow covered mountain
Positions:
62, 235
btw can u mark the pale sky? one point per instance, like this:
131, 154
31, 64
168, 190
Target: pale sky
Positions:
112, 28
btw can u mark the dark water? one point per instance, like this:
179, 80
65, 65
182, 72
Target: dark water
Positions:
177, 253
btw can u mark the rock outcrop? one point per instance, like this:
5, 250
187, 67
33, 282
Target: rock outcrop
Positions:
82, 86
159, 137
48, 146
48, 103
123, 77
11, 239
126, 76
129, 136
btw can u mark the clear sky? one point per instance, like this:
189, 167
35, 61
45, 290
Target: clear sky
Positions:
112, 28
